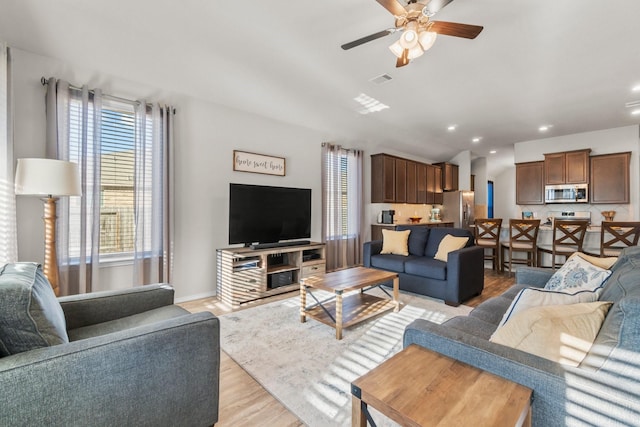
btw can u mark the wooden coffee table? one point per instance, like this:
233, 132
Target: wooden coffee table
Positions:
419, 387
341, 312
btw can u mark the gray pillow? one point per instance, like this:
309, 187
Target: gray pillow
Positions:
30, 314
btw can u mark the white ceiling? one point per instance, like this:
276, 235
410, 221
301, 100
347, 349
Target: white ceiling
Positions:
569, 63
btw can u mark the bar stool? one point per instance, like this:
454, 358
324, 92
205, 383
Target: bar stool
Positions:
617, 235
523, 237
568, 237
487, 234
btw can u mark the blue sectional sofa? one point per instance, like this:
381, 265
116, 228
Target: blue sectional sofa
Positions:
603, 390
454, 281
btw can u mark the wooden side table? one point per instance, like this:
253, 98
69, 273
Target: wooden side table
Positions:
419, 387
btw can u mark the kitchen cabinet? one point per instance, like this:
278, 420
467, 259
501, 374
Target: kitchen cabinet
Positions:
569, 167
398, 180
438, 197
412, 182
421, 183
383, 177
449, 176
401, 181
610, 178
530, 183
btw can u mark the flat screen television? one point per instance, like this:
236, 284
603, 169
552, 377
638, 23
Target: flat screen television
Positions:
266, 215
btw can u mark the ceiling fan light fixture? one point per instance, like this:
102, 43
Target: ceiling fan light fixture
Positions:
397, 49
427, 39
409, 39
415, 52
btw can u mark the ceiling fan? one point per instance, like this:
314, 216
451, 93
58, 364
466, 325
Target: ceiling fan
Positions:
418, 30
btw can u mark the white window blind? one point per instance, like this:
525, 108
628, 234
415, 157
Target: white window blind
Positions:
116, 152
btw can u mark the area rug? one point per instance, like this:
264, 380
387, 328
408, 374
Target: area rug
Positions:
305, 367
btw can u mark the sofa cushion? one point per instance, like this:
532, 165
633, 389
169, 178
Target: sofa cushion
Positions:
417, 238
395, 242
473, 326
426, 267
390, 262
448, 244
577, 273
30, 314
438, 233
491, 310
625, 276
146, 318
563, 333
536, 297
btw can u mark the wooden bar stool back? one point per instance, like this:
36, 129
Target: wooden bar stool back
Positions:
617, 235
568, 237
523, 237
487, 234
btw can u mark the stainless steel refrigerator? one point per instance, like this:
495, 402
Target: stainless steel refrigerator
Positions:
458, 207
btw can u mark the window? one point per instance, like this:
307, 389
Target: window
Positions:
339, 176
113, 156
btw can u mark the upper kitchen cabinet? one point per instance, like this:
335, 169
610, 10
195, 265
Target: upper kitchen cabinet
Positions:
530, 183
449, 176
383, 178
421, 183
401, 180
570, 167
610, 178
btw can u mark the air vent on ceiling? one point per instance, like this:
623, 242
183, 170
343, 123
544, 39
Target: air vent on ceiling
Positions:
381, 79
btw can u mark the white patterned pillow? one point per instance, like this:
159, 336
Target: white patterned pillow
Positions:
537, 297
577, 273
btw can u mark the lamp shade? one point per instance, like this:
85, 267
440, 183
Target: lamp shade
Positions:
47, 177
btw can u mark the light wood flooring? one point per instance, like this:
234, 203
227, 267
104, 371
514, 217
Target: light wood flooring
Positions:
244, 402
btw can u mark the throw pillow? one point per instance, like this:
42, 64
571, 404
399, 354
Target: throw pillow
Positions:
449, 244
395, 242
536, 297
562, 333
577, 273
605, 263
30, 314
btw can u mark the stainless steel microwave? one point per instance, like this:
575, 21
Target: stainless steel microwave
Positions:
566, 193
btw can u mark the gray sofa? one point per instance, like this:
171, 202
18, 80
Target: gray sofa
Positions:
603, 390
454, 281
133, 358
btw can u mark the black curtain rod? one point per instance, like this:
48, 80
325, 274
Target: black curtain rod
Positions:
45, 81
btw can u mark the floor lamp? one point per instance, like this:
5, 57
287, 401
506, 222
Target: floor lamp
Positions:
49, 179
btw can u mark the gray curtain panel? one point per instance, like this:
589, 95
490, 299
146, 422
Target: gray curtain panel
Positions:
342, 206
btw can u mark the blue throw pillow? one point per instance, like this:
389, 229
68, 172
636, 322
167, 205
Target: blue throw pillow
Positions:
417, 239
30, 314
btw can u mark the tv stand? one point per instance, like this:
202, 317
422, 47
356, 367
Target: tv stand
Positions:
280, 244
247, 274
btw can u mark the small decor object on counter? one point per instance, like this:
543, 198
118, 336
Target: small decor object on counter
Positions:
415, 219
608, 215
527, 215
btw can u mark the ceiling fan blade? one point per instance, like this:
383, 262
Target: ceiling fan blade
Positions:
368, 38
454, 29
403, 60
435, 6
393, 6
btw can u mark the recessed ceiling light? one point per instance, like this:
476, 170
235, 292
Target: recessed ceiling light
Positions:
635, 112
476, 139
545, 128
493, 152
636, 88
451, 128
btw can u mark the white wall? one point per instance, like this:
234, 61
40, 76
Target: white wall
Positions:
600, 142
206, 134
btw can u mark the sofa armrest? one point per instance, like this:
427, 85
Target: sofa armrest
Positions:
161, 374
533, 276
98, 307
369, 249
465, 274
559, 392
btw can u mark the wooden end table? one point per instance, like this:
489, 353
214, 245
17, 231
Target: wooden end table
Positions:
339, 312
419, 387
